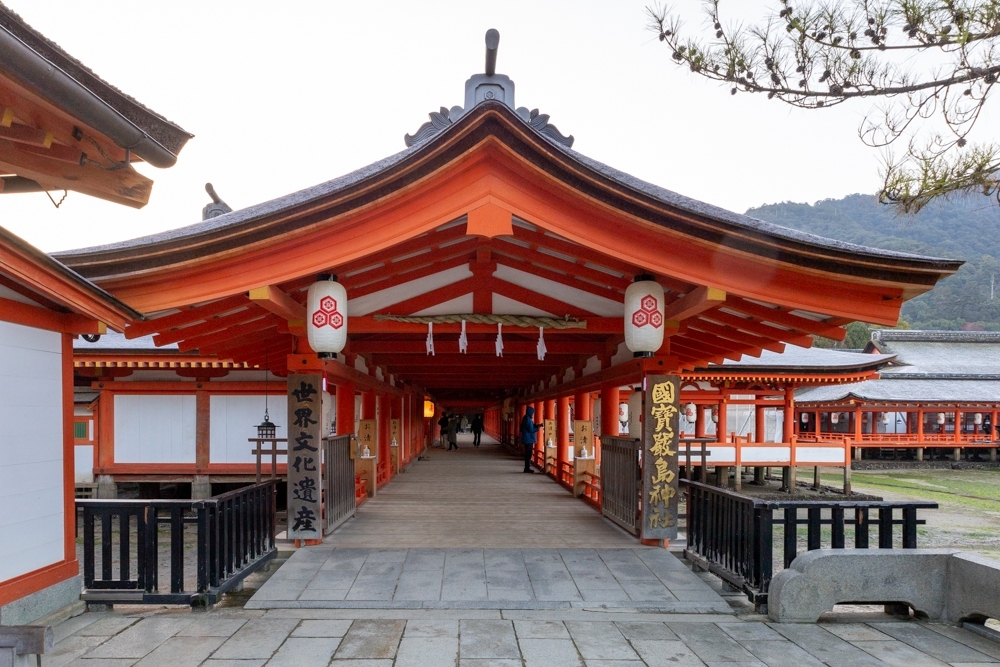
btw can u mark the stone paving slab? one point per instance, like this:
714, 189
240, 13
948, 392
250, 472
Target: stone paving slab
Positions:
284, 638
640, 578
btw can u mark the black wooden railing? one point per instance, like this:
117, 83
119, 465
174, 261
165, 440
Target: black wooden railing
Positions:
733, 535
222, 539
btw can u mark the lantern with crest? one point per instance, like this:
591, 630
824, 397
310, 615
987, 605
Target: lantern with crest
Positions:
326, 315
644, 316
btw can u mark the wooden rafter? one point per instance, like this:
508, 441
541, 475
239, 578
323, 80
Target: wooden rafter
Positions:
210, 325
122, 186
274, 300
185, 316
696, 301
785, 319
208, 341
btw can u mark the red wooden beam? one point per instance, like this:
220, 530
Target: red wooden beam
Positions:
785, 319
366, 324
210, 325
184, 317
449, 345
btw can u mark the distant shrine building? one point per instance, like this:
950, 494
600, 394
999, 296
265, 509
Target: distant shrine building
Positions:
939, 393
488, 267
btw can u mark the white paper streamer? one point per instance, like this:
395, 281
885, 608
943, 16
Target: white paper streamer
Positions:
499, 344
541, 344
430, 339
463, 340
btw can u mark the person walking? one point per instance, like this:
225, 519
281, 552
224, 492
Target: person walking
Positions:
453, 433
443, 423
529, 435
477, 430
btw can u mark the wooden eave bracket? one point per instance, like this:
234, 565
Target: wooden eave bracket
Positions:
697, 301
272, 299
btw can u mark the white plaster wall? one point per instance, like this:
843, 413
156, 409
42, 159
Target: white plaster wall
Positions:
154, 428
31, 450
233, 420
83, 464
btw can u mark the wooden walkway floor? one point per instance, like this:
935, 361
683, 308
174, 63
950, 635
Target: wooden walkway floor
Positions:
476, 497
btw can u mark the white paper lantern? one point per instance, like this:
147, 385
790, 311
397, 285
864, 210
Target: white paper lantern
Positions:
326, 315
691, 413
977, 418
623, 413
644, 316
715, 414
886, 419
804, 417
835, 418
940, 418
634, 415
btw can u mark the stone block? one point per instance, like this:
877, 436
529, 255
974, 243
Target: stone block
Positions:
973, 588
47, 601
818, 580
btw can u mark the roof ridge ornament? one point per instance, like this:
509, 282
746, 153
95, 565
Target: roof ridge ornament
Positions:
487, 87
216, 207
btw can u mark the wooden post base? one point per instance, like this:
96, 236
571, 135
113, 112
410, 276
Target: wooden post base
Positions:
656, 543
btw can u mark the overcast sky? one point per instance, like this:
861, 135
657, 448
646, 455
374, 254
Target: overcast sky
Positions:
281, 96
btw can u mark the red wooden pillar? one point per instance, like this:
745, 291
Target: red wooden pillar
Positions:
609, 410
550, 409
699, 421
584, 408
368, 402
722, 427
345, 409
382, 430
562, 433
788, 418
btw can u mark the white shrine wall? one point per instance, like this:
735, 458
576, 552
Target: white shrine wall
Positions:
233, 419
31, 451
155, 428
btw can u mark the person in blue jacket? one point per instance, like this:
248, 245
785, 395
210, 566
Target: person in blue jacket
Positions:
529, 436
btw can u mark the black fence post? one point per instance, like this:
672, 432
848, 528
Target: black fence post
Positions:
885, 528
909, 527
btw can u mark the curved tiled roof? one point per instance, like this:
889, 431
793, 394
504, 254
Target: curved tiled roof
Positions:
713, 223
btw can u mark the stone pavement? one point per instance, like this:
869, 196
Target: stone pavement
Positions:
465, 562
501, 638
476, 497
640, 578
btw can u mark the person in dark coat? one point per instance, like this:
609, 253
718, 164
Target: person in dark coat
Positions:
529, 436
477, 430
443, 423
453, 433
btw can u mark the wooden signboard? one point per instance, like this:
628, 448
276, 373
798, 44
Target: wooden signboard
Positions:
549, 453
583, 436
304, 442
366, 437
395, 440
661, 411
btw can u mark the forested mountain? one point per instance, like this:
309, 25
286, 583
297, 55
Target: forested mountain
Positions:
967, 228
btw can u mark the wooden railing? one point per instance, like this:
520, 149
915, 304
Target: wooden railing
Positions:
913, 439
360, 489
733, 535
567, 474
234, 537
591, 490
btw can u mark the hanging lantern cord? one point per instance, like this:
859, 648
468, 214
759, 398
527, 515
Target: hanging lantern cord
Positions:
266, 366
